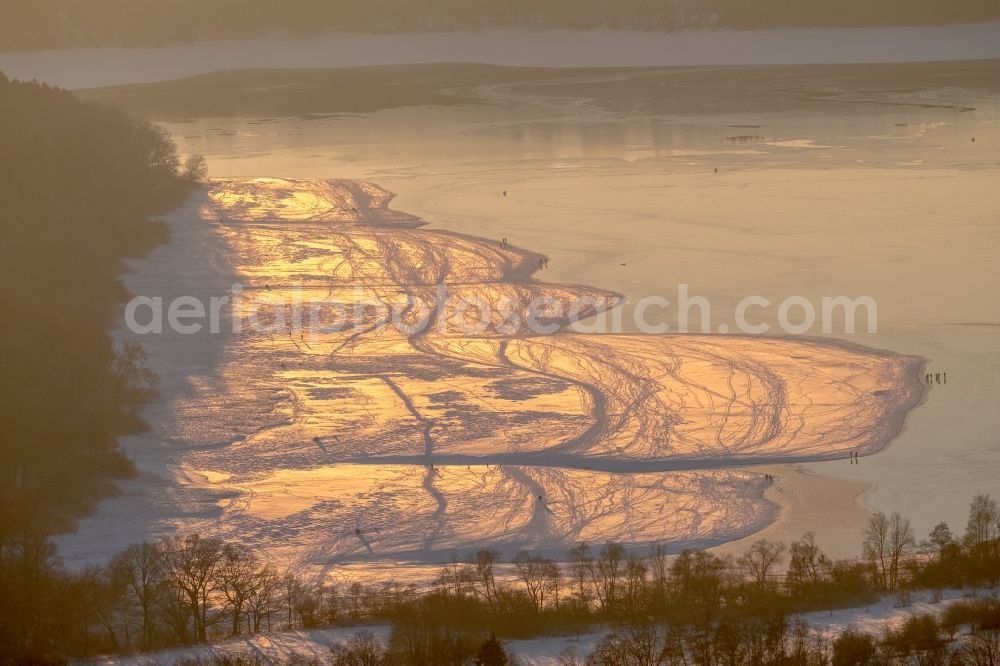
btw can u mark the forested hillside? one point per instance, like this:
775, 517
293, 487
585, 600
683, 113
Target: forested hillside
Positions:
41, 24
77, 185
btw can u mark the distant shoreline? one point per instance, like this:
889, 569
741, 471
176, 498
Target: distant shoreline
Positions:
327, 94
97, 67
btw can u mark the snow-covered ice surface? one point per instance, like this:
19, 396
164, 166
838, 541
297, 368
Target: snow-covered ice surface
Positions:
367, 444
838, 185
85, 68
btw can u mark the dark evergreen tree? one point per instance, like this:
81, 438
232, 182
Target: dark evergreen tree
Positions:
492, 653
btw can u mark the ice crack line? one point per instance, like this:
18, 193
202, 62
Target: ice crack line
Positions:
425, 427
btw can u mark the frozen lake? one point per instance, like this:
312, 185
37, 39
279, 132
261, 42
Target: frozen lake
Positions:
871, 190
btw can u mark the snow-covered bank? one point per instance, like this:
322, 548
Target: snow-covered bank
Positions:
87, 68
274, 647
887, 613
280, 647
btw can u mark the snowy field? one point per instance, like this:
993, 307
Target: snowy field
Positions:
280, 646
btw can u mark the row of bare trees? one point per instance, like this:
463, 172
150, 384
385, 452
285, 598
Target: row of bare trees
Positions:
773, 640
194, 588
175, 591
615, 582
699, 608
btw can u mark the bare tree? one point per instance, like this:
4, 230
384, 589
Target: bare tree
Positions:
195, 168
553, 581
355, 592
483, 561
760, 560
294, 592
234, 577
981, 528
886, 542
580, 566
539, 575
901, 543
607, 575
362, 649
263, 599
699, 579
634, 589
638, 645
104, 596
458, 577
141, 567
660, 569
192, 564
982, 649
154, 144
807, 563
